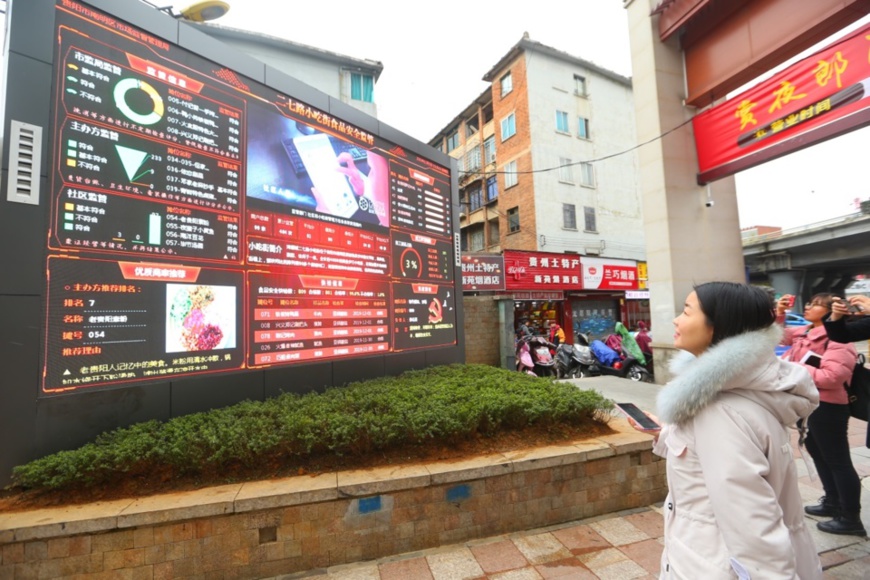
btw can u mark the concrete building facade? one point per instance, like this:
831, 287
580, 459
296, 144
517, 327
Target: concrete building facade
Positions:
546, 158
349, 78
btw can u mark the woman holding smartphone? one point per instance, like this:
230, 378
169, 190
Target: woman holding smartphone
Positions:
830, 364
733, 508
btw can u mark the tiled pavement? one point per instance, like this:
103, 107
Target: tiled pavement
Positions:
618, 546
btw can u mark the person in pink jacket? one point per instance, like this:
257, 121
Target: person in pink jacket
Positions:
733, 509
831, 365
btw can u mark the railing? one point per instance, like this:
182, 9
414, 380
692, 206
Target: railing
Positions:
749, 240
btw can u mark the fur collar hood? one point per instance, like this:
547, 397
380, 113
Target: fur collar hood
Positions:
743, 364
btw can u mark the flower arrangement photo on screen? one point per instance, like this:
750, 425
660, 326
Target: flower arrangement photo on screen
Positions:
200, 317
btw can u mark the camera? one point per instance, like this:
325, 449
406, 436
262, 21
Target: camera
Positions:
709, 203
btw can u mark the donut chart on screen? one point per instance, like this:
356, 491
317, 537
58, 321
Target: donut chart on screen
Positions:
123, 88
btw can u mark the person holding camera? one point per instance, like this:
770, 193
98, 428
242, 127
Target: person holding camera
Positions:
848, 321
830, 364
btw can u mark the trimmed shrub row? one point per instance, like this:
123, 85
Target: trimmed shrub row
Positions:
444, 404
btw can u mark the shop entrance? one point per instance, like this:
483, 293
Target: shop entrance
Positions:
540, 314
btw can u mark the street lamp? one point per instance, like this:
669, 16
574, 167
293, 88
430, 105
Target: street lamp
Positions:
198, 11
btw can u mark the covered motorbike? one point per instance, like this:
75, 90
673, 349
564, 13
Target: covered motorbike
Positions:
607, 361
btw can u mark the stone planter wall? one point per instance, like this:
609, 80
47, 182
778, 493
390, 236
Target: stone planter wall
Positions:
268, 528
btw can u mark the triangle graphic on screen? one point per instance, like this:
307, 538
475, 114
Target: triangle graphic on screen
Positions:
132, 160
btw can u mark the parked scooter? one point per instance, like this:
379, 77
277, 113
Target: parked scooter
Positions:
525, 364
606, 361
573, 361
533, 353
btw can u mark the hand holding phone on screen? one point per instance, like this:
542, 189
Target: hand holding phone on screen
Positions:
644, 421
324, 169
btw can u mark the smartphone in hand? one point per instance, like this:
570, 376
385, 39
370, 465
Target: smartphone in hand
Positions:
642, 419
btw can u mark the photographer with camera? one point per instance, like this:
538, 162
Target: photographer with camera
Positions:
848, 321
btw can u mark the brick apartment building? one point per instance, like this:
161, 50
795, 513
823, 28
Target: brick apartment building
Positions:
547, 165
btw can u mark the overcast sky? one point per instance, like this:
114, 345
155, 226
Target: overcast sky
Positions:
434, 60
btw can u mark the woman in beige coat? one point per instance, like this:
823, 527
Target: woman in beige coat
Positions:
733, 509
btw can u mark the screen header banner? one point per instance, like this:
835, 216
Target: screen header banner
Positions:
817, 98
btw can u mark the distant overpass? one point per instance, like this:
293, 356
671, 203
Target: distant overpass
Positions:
814, 258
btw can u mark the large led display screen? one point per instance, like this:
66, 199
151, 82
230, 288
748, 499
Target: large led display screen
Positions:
203, 222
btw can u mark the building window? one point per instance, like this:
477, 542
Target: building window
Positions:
507, 84
510, 174
489, 149
583, 127
491, 188
569, 216
508, 127
589, 217
562, 122
362, 87
472, 159
453, 141
471, 126
475, 241
566, 173
475, 198
494, 235
513, 217
587, 175
580, 85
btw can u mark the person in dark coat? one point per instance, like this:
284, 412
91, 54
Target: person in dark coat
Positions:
842, 326
643, 339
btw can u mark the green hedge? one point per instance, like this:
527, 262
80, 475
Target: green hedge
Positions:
443, 404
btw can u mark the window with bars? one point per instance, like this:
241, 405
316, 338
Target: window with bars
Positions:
589, 219
510, 174
507, 84
453, 141
569, 216
587, 174
472, 159
562, 122
475, 198
583, 127
513, 219
476, 241
491, 188
489, 149
362, 87
508, 127
580, 85
494, 233
566, 173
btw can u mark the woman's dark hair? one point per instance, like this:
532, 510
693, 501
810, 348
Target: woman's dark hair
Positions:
823, 298
732, 308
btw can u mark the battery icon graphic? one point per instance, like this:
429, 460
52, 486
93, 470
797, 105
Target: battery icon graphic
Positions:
154, 231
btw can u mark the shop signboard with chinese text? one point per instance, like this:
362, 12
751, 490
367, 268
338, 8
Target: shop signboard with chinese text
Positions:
203, 222
482, 272
541, 271
609, 274
819, 97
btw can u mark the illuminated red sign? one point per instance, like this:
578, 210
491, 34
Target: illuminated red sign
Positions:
541, 271
821, 96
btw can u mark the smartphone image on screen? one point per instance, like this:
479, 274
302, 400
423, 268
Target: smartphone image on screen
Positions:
632, 410
321, 164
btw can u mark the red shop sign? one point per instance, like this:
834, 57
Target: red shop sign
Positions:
819, 97
600, 274
541, 271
